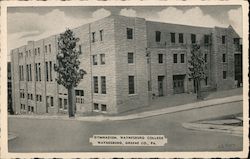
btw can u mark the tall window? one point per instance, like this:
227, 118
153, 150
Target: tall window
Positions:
193, 38
180, 37
27, 72
65, 102
35, 52
175, 58
39, 71
223, 57
60, 103
49, 48
93, 37
50, 70
160, 58
206, 39
223, 38
96, 106
79, 93
224, 74
103, 107
47, 71
182, 58
94, 59
95, 79
51, 101
102, 58
46, 50
131, 84
206, 81
38, 51
130, 57
36, 68
172, 37
157, 36
129, 33
20, 72
30, 71
103, 84
101, 35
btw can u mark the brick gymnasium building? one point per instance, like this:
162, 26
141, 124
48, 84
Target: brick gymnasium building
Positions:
128, 61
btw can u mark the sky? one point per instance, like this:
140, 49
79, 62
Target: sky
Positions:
34, 23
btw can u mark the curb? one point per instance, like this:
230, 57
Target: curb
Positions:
233, 130
190, 106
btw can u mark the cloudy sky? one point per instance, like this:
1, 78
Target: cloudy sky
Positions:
33, 23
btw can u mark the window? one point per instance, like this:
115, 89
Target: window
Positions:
223, 38
45, 49
224, 74
175, 58
49, 48
29, 108
31, 96
129, 33
79, 93
206, 81
50, 70
130, 57
38, 51
35, 51
104, 107
47, 71
32, 109
37, 97
80, 49
160, 58
40, 98
27, 72
51, 101
149, 86
60, 103
95, 79
39, 71
182, 58
101, 35
47, 101
193, 38
131, 84
36, 68
205, 58
96, 106
29, 52
30, 73
93, 37
102, 57
180, 37
206, 39
157, 36
65, 104
94, 59
103, 84
172, 37
223, 57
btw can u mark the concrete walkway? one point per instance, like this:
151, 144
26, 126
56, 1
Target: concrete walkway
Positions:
201, 104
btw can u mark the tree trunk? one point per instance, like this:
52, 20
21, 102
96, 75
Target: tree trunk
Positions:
72, 103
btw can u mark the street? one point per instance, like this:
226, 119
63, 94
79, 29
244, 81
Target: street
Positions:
44, 135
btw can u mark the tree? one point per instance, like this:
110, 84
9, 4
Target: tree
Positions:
69, 74
196, 68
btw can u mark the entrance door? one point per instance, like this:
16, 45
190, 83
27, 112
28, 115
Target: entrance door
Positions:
160, 85
178, 81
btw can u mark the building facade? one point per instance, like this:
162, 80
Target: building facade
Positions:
128, 61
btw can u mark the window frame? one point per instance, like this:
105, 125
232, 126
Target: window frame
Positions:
131, 84
130, 33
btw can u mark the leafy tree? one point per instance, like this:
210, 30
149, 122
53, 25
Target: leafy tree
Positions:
68, 67
196, 68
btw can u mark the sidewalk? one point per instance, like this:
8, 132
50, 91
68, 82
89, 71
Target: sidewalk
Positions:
150, 113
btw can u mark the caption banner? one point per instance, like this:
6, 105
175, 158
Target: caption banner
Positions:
128, 140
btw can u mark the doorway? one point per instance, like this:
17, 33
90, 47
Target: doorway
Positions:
160, 85
178, 82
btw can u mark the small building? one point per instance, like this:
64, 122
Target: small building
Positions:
128, 60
